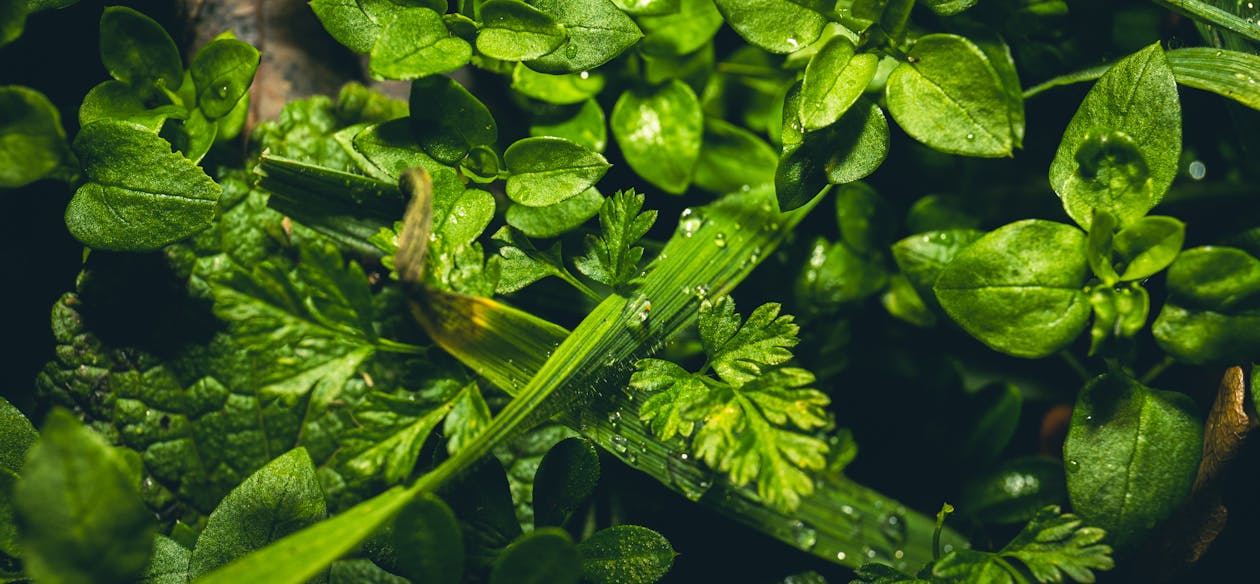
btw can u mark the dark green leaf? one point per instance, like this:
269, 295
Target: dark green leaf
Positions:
12, 20
16, 437
865, 221
836, 275
544, 556
428, 542
447, 120
546, 170
923, 257
515, 31
598, 32
612, 258
139, 194
1210, 315
169, 564
843, 152
682, 31
523, 264
903, 301
1121, 151
32, 142
1014, 491
1148, 246
586, 128
997, 408
834, 79
778, 26
939, 213
361, 571
391, 446
1018, 288
625, 554
949, 97
733, 159
222, 72
949, 7
80, 517
559, 89
1131, 456
384, 151
566, 478
876, 573
659, 131
358, 24
280, 498
137, 51
416, 44
468, 417
556, 219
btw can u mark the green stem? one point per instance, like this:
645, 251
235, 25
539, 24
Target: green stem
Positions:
390, 346
1076, 365
1156, 370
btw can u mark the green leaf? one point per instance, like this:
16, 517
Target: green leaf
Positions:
1018, 288
1014, 491
778, 26
515, 31
115, 99
1149, 245
384, 151
1121, 151
12, 20
468, 417
222, 72
889, 15
625, 554
1132, 453
139, 195
836, 275
428, 543
566, 478
949, 7
938, 212
554, 220
1211, 314
137, 51
999, 55
361, 571
997, 408
876, 573
523, 264
1054, 545
544, 556
447, 120
841, 153
546, 170
169, 564
16, 437
659, 130
1228, 73
416, 44
923, 257
358, 24
681, 31
80, 517
558, 89
280, 498
757, 416
587, 127
32, 142
612, 258
733, 159
648, 7
598, 32
390, 448
950, 97
834, 79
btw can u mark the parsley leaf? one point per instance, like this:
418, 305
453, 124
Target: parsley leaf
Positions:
755, 420
612, 258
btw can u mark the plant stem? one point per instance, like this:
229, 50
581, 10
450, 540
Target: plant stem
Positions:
1076, 365
1157, 369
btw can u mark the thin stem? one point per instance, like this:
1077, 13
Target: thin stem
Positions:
390, 346
583, 288
1156, 370
1076, 365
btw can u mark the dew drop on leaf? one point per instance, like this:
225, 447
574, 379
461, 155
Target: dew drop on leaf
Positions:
803, 535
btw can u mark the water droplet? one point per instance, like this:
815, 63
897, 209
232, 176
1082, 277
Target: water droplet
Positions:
689, 222
701, 291
571, 51
1073, 466
971, 136
636, 311
719, 240
793, 43
804, 535
893, 526
841, 556
949, 547
871, 553
222, 90
899, 554
614, 419
631, 457
585, 75
619, 443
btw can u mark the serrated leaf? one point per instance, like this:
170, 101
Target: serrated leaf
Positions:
280, 498
1118, 156
612, 258
390, 448
469, 415
546, 170
1053, 546
416, 44
523, 264
80, 517
1018, 288
659, 130
625, 554
139, 195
